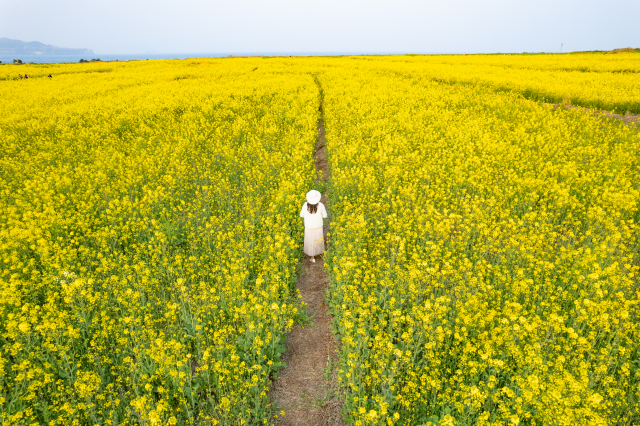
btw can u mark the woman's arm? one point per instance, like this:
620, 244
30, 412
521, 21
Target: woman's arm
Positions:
323, 210
304, 207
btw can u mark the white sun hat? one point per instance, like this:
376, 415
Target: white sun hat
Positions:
313, 196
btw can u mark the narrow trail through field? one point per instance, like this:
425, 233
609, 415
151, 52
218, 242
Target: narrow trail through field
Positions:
306, 389
629, 119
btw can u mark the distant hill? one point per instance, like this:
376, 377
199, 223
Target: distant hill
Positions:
627, 49
17, 47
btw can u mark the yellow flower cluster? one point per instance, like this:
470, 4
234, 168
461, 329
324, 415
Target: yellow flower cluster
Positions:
484, 254
148, 239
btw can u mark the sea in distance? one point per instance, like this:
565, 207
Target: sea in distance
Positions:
39, 59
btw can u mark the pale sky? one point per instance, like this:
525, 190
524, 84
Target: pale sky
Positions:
356, 26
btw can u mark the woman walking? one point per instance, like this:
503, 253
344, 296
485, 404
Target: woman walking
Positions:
313, 212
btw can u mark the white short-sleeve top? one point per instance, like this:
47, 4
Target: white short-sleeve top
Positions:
313, 220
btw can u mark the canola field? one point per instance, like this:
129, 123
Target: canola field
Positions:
601, 82
484, 250
148, 254
485, 256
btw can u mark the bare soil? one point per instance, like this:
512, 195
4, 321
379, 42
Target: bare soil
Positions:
306, 389
626, 118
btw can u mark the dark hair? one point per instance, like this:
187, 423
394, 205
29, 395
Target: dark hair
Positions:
312, 208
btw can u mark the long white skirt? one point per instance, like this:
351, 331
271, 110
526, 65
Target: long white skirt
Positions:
313, 241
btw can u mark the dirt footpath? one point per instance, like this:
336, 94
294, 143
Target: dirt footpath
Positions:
626, 118
306, 389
